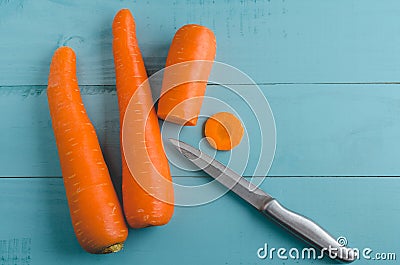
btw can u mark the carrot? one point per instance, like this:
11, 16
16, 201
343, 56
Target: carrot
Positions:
147, 188
181, 104
223, 131
95, 211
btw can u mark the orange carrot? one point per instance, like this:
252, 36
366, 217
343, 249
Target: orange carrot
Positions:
147, 188
181, 104
223, 131
95, 211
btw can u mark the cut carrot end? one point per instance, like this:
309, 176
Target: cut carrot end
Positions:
223, 131
113, 248
191, 122
177, 119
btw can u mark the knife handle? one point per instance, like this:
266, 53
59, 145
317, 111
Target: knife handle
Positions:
308, 231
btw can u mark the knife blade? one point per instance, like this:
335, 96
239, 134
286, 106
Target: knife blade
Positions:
295, 223
227, 177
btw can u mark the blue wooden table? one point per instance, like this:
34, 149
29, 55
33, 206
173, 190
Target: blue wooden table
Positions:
329, 69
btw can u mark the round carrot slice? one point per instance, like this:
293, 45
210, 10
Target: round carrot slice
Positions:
223, 131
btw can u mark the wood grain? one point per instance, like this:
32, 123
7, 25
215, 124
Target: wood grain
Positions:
322, 130
226, 231
278, 41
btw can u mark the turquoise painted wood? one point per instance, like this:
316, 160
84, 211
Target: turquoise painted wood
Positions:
272, 41
322, 130
329, 69
226, 231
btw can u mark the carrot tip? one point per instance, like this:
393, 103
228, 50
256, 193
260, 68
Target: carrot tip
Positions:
112, 249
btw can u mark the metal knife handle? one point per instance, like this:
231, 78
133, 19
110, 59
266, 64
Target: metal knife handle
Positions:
309, 231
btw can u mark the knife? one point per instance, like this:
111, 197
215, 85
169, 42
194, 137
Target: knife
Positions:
297, 224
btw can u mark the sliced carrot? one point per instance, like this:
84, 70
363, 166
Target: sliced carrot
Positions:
95, 211
224, 131
147, 188
181, 104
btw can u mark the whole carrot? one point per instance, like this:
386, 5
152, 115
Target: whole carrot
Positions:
181, 104
147, 189
95, 211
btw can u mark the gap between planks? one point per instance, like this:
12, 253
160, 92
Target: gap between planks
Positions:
43, 86
322, 177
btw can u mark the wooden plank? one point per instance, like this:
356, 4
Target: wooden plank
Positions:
322, 130
226, 231
272, 41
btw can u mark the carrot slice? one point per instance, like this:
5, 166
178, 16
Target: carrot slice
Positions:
95, 211
181, 104
224, 131
147, 188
